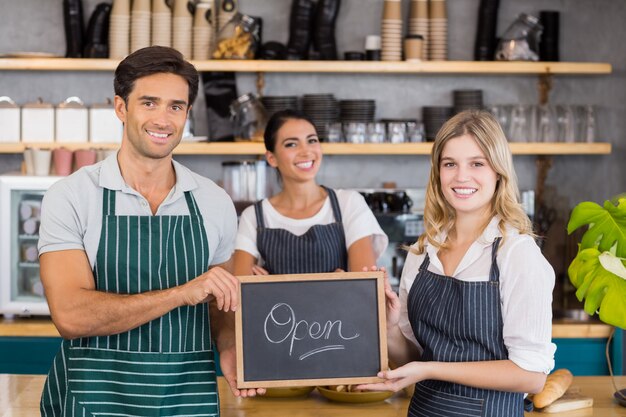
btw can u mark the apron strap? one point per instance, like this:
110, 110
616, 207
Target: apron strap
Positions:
108, 202
334, 203
494, 272
258, 211
424, 266
192, 205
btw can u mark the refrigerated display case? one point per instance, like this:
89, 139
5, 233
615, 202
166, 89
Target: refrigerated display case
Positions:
21, 291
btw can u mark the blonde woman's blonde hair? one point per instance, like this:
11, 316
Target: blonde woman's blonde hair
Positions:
439, 215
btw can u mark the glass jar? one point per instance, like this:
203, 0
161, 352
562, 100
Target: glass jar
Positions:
249, 117
520, 42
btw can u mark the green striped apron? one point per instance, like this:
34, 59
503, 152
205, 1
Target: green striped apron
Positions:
162, 368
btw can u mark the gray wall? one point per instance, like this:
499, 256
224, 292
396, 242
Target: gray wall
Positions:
591, 30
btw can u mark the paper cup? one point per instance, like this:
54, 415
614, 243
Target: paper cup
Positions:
62, 161
28, 161
41, 161
84, 157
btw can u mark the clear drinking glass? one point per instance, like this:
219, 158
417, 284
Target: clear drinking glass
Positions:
376, 132
355, 132
396, 132
502, 113
519, 123
587, 116
566, 123
334, 133
415, 132
547, 128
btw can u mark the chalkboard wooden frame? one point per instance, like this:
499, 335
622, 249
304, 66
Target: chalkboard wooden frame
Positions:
327, 278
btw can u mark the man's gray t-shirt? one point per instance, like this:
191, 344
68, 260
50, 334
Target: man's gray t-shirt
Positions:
71, 211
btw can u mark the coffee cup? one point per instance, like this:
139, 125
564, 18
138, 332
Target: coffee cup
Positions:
84, 157
413, 47
62, 161
41, 161
392, 10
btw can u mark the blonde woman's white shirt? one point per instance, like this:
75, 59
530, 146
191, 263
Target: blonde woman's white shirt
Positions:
526, 284
357, 218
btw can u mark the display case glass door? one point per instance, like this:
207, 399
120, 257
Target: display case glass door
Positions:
26, 286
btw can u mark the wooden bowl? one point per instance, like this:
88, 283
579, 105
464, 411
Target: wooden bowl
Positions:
287, 392
354, 397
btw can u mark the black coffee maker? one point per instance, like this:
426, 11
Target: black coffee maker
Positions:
393, 211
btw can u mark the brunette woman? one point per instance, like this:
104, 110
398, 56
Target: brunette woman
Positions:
306, 227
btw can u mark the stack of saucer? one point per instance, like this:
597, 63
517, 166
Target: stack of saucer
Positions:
418, 23
181, 28
203, 36
467, 100
161, 23
438, 28
322, 109
362, 111
119, 29
392, 31
273, 104
434, 117
140, 25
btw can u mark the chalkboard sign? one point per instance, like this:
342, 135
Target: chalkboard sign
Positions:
311, 329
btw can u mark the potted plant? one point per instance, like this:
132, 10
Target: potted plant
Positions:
599, 270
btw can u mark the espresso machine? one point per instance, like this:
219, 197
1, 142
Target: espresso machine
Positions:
399, 213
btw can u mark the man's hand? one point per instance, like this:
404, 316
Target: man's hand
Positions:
228, 363
216, 283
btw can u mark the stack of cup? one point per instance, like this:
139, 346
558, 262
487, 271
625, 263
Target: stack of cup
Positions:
203, 36
119, 29
140, 25
392, 31
438, 31
182, 23
418, 23
161, 23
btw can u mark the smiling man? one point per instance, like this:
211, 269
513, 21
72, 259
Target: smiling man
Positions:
135, 261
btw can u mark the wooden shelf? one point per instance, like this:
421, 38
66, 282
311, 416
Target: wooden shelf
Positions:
400, 67
257, 148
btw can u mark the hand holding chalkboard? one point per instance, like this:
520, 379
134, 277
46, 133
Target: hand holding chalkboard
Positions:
311, 329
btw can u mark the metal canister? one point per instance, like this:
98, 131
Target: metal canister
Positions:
104, 126
9, 120
38, 122
71, 121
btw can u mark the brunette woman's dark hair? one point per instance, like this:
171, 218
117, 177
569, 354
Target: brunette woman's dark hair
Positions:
153, 60
277, 120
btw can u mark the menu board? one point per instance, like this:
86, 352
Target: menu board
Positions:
311, 329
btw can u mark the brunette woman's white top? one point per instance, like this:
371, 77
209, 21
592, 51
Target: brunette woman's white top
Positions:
526, 284
358, 222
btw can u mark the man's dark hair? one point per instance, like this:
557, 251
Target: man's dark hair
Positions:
153, 60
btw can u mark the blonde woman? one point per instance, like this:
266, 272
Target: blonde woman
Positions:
471, 327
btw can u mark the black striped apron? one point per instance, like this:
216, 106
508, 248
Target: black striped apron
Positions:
458, 321
162, 368
321, 249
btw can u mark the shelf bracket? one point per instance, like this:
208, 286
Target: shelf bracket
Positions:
545, 85
260, 83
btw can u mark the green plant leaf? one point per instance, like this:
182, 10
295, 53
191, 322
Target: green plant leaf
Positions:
607, 226
602, 291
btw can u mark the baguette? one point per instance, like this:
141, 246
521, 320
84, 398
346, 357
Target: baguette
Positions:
556, 384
